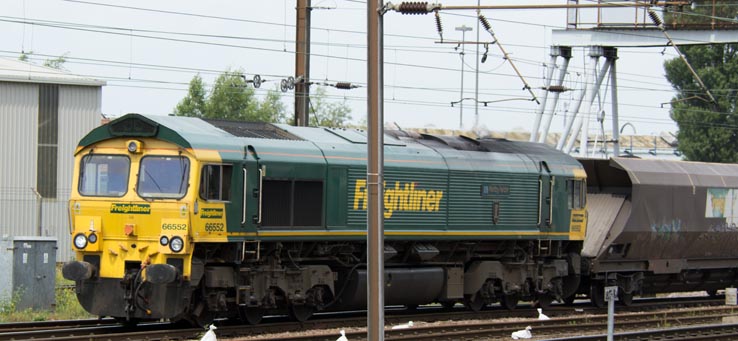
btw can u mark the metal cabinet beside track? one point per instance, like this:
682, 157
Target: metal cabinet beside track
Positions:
31, 263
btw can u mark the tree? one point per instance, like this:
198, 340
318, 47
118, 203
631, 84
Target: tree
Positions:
230, 98
271, 109
233, 98
194, 103
328, 114
708, 131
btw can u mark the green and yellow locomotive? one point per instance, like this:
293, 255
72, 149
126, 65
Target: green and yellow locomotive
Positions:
184, 218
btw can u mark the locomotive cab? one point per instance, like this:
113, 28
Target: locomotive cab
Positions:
131, 224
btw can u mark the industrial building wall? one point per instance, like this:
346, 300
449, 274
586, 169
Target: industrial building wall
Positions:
26, 141
79, 112
18, 136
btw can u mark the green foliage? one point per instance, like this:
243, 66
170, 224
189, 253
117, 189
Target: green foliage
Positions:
57, 63
328, 114
230, 98
194, 103
24, 56
708, 131
67, 305
233, 99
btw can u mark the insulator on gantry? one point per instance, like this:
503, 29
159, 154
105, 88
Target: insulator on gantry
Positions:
413, 8
655, 17
484, 22
439, 27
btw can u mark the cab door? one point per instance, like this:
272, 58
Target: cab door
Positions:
545, 185
252, 175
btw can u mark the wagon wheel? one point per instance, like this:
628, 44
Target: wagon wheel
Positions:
475, 302
625, 299
597, 295
301, 312
509, 301
251, 315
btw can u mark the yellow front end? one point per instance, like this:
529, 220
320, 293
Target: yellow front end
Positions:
130, 209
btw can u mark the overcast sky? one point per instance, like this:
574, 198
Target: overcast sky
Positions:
148, 51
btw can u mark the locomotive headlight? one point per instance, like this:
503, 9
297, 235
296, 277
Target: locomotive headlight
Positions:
164, 240
176, 244
80, 241
92, 238
134, 146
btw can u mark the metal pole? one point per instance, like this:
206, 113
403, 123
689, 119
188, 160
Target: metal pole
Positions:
463, 29
566, 54
614, 96
39, 214
542, 105
476, 79
610, 320
375, 173
302, 64
611, 294
570, 123
631, 136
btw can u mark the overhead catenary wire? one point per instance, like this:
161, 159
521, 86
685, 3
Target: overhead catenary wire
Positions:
455, 70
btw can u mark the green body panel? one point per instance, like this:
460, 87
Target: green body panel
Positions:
430, 189
408, 193
336, 197
518, 206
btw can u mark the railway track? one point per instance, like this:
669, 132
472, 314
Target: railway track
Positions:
553, 328
712, 332
58, 324
583, 315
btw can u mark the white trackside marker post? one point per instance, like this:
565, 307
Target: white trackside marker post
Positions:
611, 294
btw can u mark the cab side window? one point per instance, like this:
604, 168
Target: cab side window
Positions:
215, 182
577, 190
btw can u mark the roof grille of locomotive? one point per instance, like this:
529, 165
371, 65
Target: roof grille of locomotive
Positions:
252, 129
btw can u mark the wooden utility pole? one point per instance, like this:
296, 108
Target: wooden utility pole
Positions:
302, 64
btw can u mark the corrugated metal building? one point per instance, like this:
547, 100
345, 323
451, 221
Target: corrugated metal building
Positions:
44, 113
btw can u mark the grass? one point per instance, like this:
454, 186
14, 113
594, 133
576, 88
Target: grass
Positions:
67, 307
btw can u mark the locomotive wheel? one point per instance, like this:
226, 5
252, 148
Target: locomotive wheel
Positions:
301, 312
201, 316
130, 323
475, 303
625, 299
597, 295
570, 300
251, 315
543, 301
509, 301
448, 305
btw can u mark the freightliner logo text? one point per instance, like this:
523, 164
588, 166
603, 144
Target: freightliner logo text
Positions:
403, 197
130, 208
